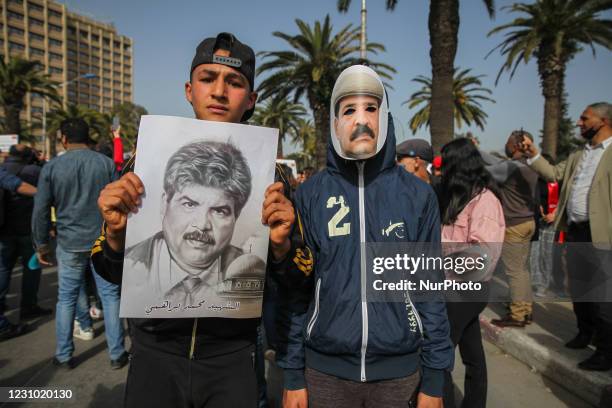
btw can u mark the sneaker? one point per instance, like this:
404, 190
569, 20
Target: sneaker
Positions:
95, 313
33, 312
121, 361
83, 334
66, 365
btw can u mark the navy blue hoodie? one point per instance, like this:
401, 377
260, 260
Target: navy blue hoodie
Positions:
337, 331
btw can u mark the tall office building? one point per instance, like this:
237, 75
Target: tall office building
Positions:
69, 46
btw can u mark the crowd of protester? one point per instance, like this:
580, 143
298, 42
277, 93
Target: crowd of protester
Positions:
335, 347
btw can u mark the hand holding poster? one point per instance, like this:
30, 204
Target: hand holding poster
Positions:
196, 247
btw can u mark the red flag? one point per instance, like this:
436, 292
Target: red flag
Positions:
118, 152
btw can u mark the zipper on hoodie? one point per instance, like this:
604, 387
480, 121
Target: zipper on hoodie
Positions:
362, 256
315, 314
193, 338
416, 315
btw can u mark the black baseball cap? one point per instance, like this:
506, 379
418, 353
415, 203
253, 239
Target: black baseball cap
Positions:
415, 148
241, 58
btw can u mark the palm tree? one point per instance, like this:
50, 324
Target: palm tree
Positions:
468, 93
552, 31
18, 77
443, 29
282, 114
305, 136
310, 68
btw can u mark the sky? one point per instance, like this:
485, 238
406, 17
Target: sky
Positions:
166, 33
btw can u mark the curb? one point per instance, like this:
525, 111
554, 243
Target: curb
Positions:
554, 363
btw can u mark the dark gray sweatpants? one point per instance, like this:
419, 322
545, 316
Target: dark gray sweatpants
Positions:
326, 391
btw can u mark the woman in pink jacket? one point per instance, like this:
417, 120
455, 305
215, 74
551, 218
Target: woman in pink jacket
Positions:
472, 217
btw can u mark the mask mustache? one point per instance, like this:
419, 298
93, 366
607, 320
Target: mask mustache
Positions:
360, 130
201, 236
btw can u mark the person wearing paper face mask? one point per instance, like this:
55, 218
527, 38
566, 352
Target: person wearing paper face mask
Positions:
343, 350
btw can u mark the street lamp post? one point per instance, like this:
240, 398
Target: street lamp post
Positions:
44, 107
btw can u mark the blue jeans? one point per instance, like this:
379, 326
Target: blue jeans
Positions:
109, 296
71, 268
11, 248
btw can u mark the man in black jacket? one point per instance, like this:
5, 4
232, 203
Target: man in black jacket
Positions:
206, 361
16, 241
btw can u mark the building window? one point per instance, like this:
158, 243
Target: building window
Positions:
36, 110
37, 37
34, 22
95, 59
116, 82
107, 72
84, 55
53, 41
36, 95
72, 30
83, 33
56, 28
53, 13
15, 16
117, 73
37, 51
127, 48
107, 90
117, 102
72, 53
117, 44
116, 55
15, 31
84, 67
107, 61
55, 70
106, 41
71, 94
15, 46
127, 77
94, 106
95, 49
55, 56
35, 7
15, 2
95, 37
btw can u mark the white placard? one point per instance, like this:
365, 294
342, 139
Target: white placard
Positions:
196, 248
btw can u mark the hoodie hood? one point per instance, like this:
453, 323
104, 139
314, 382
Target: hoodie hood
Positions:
359, 80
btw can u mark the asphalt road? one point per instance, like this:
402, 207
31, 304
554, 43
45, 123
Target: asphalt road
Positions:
26, 362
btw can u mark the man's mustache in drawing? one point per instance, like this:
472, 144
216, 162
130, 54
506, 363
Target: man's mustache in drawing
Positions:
201, 236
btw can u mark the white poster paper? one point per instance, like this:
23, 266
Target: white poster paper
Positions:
197, 247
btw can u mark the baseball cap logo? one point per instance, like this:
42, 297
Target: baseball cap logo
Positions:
232, 62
